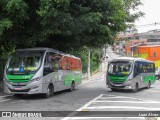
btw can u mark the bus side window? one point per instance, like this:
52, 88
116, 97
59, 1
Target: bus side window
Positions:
136, 69
56, 62
140, 66
152, 67
47, 65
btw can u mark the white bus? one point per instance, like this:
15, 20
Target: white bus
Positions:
130, 73
41, 71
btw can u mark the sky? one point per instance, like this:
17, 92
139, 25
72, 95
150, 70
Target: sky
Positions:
151, 8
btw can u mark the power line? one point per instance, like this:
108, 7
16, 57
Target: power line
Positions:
148, 25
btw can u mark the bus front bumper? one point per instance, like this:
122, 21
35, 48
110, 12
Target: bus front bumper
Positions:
32, 88
126, 85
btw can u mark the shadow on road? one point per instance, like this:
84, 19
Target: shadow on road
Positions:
38, 96
130, 91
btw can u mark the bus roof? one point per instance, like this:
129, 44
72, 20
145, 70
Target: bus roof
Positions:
130, 59
46, 49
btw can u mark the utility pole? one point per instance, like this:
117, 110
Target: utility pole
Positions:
89, 65
106, 57
138, 47
105, 51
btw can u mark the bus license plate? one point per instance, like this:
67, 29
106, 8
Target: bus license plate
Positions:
17, 88
117, 85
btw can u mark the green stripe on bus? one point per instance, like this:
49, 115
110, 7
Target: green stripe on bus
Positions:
70, 77
117, 78
151, 78
20, 78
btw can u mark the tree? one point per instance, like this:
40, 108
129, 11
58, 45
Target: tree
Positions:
95, 58
132, 5
91, 23
63, 24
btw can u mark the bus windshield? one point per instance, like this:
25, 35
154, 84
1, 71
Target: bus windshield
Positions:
24, 63
120, 68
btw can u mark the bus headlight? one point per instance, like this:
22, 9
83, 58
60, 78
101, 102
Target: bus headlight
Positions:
129, 87
36, 79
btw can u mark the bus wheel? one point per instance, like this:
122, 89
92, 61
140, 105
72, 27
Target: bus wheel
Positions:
136, 87
72, 87
50, 91
113, 89
149, 85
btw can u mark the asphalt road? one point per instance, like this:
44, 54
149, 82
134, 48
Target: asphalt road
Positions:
91, 95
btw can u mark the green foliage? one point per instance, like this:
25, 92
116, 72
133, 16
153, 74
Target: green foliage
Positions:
5, 24
63, 24
67, 25
132, 5
96, 56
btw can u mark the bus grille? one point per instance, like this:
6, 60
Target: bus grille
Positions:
117, 86
117, 81
26, 90
18, 85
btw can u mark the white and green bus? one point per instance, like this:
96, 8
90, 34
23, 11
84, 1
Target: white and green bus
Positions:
130, 73
41, 71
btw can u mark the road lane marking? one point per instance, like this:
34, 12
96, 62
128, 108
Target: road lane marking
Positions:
120, 107
114, 96
87, 104
5, 100
126, 101
104, 96
107, 97
6, 96
81, 109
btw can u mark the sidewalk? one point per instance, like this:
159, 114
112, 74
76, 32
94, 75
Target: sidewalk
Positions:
94, 76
